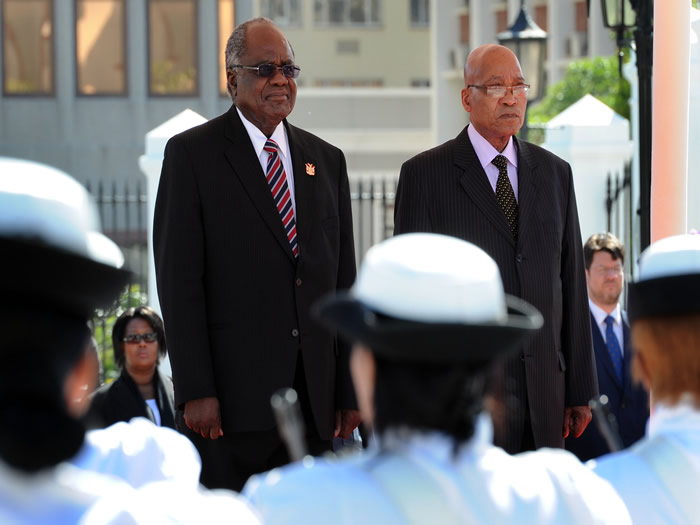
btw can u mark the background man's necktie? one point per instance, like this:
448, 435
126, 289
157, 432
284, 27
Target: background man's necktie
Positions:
613, 347
505, 194
277, 180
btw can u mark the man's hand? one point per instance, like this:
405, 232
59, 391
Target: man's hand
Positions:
203, 417
346, 421
576, 420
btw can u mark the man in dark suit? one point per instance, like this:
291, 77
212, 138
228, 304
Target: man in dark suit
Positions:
252, 224
604, 257
522, 212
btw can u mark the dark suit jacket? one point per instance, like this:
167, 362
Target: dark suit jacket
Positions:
121, 400
236, 303
629, 402
445, 190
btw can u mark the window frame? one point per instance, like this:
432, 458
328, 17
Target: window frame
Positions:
48, 94
196, 93
125, 51
328, 24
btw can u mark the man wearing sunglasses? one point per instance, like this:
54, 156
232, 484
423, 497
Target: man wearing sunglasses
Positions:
515, 201
252, 225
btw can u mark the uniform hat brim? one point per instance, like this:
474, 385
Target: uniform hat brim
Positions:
434, 343
52, 278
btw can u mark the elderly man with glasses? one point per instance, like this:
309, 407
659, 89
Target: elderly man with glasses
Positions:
252, 225
515, 201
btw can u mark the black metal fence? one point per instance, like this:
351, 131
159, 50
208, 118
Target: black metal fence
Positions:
123, 210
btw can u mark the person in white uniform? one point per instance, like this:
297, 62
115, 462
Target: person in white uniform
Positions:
430, 318
55, 269
658, 478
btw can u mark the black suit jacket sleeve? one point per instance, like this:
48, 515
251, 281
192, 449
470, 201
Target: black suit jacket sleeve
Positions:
179, 255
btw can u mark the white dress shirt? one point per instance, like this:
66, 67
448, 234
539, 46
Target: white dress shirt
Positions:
599, 315
486, 153
259, 139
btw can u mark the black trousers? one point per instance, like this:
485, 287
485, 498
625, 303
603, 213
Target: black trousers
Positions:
228, 462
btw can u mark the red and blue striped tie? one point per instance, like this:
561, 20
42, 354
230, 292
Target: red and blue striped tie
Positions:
277, 180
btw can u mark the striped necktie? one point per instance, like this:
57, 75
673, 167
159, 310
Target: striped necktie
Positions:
613, 348
277, 180
505, 194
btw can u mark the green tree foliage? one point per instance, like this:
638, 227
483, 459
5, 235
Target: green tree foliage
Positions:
595, 76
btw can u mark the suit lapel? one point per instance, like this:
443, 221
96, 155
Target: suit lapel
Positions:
475, 183
245, 165
303, 184
527, 187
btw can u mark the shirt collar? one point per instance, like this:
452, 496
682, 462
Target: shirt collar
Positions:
259, 139
599, 314
486, 152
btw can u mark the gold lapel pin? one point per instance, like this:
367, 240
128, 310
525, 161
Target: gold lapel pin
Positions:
310, 169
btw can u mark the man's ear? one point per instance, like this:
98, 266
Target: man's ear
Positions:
465, 100
232, 82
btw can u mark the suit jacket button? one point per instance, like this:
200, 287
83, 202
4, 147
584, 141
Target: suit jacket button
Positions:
295, 333
519, 258
298, 281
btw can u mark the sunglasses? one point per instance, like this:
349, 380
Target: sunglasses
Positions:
150, 337
267, 70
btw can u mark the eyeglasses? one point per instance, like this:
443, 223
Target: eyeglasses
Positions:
268, 70
500, 91
150, 337
602, 271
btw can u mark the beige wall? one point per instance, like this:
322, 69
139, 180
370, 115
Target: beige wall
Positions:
394, 53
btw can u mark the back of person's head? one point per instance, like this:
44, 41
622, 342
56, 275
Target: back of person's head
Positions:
605, 242
433, 312
664, 310
55, 270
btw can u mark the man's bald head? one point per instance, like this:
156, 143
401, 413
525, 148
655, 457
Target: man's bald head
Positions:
483, 55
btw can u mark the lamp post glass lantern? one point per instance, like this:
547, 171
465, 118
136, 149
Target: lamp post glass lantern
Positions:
529, 43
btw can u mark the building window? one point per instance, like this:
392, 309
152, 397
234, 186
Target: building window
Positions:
347, 12
283, 12
349, 82
172, 47
420, 13
227, 23
27, 47
100, 47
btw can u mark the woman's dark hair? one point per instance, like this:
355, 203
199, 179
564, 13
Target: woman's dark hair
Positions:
146, 313
428, 397
39, 350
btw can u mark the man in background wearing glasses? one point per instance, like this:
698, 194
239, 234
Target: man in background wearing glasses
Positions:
604, 258
252, 225
516, 201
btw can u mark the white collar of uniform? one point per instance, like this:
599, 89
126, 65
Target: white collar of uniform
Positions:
259, 139
435, 443
486, 152
599, 314
683, 416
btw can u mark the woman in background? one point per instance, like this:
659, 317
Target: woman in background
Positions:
141, 390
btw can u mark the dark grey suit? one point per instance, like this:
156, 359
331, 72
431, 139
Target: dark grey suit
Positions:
445, 190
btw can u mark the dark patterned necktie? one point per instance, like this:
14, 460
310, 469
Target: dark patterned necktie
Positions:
505, 194
613, 348
277, 180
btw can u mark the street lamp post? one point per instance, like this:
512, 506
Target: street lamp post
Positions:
619, 15
528, 41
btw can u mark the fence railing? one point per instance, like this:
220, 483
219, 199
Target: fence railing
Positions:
123, 211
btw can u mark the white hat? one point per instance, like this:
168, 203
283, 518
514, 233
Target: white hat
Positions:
431, 298
669, 278
53, 251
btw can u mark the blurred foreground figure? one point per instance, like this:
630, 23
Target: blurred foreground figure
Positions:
55, 269
430, 317
659, 476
